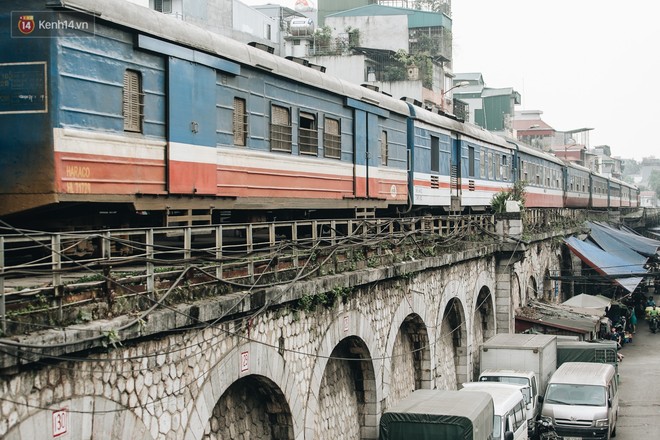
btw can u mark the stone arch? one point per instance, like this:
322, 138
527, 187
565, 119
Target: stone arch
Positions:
532, 289
409, 361
89, 417
451, 344
567, 273
351, 336
483, 326
414, 311
516, 294
553, 269
548, 293
252, 406
229, 370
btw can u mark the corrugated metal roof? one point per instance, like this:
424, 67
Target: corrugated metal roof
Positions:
606, 264
416, 19
560, 316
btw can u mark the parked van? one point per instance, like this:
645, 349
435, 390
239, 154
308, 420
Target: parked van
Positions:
582, 399
510, 418
526, 380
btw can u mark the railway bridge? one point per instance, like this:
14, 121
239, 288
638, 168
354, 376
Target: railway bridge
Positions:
312, 333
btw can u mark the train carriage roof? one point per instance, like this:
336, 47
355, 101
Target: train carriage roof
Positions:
622, 183
465, 128
576, 166
537, 153
156, 24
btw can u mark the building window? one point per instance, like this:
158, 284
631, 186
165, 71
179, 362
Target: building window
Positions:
280, 129
308, 134
383, 148
164, 6
240, 122
133, 101
268, 32
435, 154
471, 161
332, 139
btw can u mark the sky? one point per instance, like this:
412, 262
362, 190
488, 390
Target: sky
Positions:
583, 63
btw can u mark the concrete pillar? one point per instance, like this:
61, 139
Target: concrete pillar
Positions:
504, 318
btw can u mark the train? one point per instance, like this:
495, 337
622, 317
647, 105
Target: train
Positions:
116, 115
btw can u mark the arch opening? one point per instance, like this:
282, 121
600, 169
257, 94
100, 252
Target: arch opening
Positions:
253, 406
348, 387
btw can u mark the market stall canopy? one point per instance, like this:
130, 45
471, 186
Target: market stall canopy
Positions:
586, 301
623, 271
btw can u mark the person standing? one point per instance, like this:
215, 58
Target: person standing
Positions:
633, 321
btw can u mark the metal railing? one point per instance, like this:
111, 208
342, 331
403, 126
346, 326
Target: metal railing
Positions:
53, 273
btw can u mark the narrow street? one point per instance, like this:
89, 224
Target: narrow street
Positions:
639, 414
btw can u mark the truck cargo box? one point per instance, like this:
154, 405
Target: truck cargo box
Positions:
518, 351
439, 414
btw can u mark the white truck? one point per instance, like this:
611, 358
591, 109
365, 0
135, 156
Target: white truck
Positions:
523, 360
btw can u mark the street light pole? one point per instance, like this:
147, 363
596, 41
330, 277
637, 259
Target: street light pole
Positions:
455, 86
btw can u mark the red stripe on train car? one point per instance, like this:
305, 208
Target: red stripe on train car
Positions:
77, 173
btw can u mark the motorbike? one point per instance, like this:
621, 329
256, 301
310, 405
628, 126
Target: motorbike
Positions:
545, 430
653, 324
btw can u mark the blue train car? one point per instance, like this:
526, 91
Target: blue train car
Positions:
599, 191
577, 186
145, 113
456, 166
543, 175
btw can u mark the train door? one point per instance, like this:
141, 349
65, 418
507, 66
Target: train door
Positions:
191, 128
360, 153
366, 142
455, 174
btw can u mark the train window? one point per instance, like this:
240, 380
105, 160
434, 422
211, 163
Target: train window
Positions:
538, 174
435, 153
383, 148
280, 129
471, 161
498, 166
240, 122
491, 169
505, 168
482, 167
308, 139
133, 101
332, 139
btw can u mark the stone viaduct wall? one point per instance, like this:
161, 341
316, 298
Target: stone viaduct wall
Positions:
282, 371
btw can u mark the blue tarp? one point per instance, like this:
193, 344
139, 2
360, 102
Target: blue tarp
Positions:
606, 263
612, 245
640, 244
